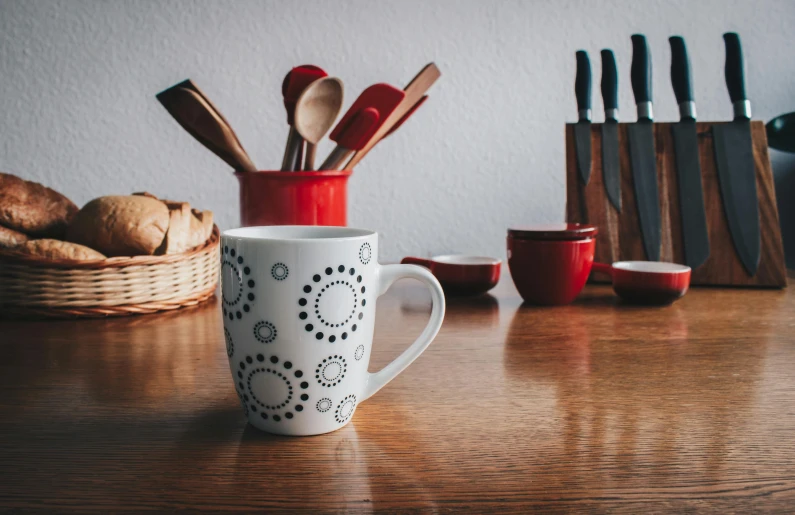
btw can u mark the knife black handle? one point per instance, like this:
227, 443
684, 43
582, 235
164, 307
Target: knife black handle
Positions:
609, 82
735, 68
680, 70
641, 70
582, 84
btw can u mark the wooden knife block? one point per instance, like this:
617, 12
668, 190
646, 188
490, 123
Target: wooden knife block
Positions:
619, 236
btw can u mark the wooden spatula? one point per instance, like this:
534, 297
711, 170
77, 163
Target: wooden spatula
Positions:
406, 116
362, 120
189, 84
206, 124
415, 90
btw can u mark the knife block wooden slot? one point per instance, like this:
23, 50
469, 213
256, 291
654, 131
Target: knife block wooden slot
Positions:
619, 236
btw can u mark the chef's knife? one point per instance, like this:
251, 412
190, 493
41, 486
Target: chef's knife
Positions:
611, 170
688, 169
641, 151
582, 129
735, 159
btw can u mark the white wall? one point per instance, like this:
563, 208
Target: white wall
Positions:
78, 81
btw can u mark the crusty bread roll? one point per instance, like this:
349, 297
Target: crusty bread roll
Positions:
57, 249
121, 225
10, 238
33, 209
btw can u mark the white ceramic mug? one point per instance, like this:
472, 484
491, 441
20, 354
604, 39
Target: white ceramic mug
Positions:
299, 312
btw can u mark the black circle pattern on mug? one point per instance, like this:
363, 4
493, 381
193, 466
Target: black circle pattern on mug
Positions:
324, 404
345, 409
264, 331
230, 345
238, 299
331, 371
270, 387
335, 283
359, 354
279, 271
365, 253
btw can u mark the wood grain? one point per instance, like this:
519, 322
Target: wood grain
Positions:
594, 407
619, 237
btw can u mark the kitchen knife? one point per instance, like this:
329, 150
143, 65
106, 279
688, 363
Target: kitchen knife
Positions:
641, 151
688, 168
735, 159
582, 129
611, 169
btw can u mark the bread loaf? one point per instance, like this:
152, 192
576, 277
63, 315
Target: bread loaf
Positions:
121, 225
57, 249
201, 227
33, 209
178, 235
10, 238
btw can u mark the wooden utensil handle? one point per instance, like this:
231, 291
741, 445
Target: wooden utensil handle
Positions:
335, 159
291, 149
309, 157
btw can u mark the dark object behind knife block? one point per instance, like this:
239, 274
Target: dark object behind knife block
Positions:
619, 236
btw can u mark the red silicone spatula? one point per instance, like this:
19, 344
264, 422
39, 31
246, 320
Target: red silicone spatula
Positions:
415, 90
361, 122
295, 82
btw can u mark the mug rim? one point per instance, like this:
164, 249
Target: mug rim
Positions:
298, 233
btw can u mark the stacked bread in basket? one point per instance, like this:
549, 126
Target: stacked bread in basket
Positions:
118, 255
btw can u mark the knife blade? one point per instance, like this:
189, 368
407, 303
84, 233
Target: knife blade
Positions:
611, 170
582, 129
688, 168
641, 151
735, 160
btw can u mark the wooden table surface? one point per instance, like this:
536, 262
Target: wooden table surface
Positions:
596, 406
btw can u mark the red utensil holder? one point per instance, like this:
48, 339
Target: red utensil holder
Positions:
293, 198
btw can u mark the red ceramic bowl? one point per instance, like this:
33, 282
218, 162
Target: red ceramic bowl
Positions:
293, 198
647, 282
462, 275
550, 272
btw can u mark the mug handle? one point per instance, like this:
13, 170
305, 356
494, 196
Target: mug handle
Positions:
386, 275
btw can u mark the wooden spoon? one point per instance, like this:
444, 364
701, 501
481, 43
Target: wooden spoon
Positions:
316, 112
205, 123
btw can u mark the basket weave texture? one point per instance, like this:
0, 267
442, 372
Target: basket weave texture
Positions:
33, 286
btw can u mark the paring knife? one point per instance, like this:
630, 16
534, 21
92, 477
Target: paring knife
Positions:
734, 156
688, 168
414, 91
641, 151
582, 129
611, 169
295, 82
363, 119
205, 123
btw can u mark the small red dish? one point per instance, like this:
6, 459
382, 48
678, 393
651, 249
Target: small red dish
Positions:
647, 282
462, 275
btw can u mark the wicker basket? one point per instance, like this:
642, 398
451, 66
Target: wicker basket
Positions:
33, 286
